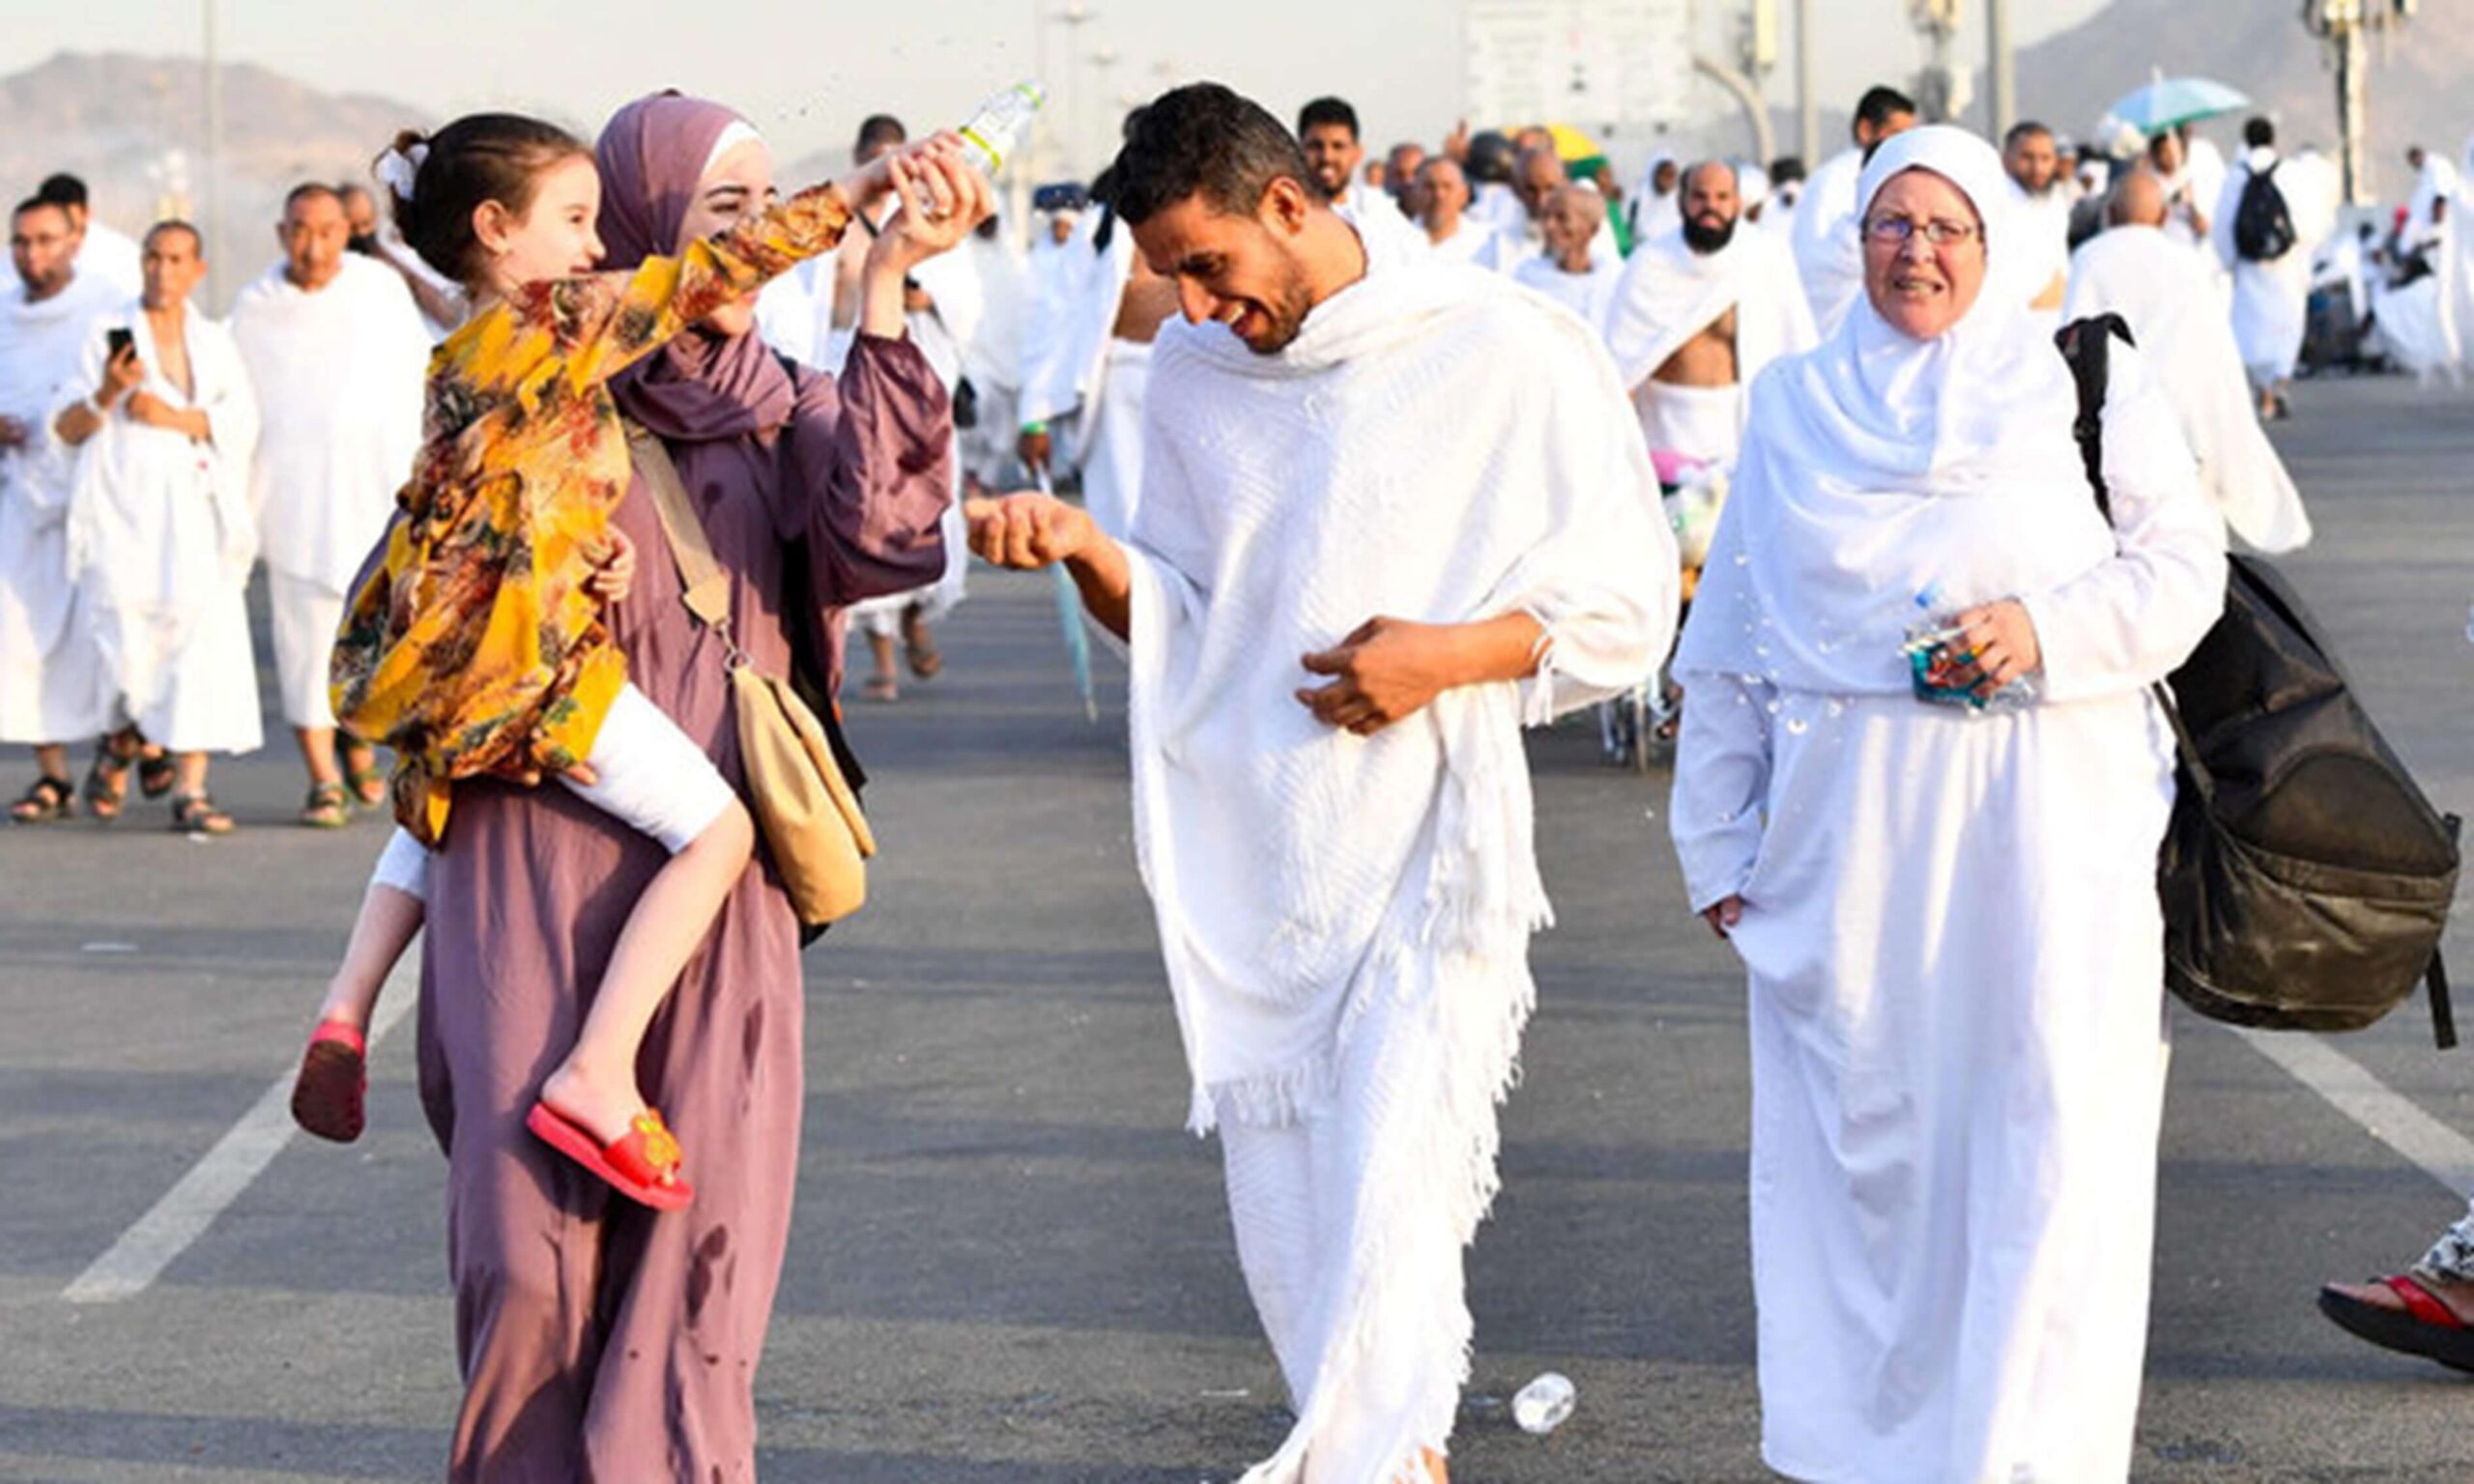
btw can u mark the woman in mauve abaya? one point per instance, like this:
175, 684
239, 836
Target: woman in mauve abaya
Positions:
599, 1339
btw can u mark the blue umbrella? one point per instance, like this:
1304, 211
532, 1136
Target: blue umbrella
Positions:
2169, 101
1069, 613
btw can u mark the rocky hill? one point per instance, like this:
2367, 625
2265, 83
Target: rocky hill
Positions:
133, 126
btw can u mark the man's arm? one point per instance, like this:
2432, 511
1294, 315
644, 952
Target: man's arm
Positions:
1030, 531
1391, 668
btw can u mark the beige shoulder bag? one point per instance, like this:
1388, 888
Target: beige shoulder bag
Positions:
805, 807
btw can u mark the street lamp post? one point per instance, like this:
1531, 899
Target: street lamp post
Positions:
211, 226
2345, 26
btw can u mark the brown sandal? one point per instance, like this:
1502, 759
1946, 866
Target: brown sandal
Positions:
195, 814
106, 788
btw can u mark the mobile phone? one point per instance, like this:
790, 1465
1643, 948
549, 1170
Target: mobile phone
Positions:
117, 341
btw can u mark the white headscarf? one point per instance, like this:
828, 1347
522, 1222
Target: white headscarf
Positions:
1878, 465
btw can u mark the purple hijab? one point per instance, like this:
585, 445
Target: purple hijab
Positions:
702, 385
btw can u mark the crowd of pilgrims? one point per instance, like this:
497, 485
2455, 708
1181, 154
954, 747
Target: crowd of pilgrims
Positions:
1768, 330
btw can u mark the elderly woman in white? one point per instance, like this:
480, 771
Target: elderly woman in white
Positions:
1948, 914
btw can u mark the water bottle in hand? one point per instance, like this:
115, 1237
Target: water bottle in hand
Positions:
999, 125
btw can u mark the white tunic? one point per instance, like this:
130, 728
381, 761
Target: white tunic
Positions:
50, 678
1344, 920
1950, 922
112, 259
2161, 291
160, 541
337, 375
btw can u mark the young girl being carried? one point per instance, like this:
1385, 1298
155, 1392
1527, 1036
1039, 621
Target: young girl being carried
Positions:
475, 648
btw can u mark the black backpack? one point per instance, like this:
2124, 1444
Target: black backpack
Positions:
2262, 227
2306, 879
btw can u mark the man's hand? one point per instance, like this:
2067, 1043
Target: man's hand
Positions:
1455, 145
1388, 670
13, 432
614, 570
152, 411
1028, 531
2002, 638
1723, 915
121, 374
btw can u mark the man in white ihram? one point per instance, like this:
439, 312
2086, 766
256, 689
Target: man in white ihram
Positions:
1698, 313
51, 691
336, 354
161, 539
2163, 293
1391, 510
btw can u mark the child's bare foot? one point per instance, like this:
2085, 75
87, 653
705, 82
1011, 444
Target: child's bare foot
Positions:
594, 1100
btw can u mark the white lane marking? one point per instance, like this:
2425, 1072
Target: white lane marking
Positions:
132, 1264
2437, 1150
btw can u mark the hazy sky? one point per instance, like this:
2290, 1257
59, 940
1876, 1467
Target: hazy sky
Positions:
805, 70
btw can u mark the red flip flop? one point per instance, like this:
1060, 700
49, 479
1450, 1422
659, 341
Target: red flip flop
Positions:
642, 1165
329, 1097
2424, 1326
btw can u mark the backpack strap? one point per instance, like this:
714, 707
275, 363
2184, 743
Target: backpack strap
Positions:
2088, 345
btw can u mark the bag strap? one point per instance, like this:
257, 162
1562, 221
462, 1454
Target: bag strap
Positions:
2088, 345
707, 586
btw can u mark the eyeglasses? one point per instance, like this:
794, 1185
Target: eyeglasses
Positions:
1895, 231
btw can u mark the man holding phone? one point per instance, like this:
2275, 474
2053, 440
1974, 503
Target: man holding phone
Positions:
51, 691
160, 531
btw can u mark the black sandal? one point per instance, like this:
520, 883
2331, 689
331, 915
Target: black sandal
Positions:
47, 800
195, 814
107, 782
156, 773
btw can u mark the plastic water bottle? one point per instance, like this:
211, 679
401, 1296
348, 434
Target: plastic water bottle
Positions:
1934, 666
1542, 1405
999, 125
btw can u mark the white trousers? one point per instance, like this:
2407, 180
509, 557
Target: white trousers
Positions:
650, 777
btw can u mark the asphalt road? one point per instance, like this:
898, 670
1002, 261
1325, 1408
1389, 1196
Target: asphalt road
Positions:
1009, 1263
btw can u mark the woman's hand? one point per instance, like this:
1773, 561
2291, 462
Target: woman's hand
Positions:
1386, 671
614, 570
2002, 640
1723, 914
1028, 531
866, 187
943, 199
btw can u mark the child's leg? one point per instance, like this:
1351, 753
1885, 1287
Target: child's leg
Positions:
330, 1095
655, 778
391, 913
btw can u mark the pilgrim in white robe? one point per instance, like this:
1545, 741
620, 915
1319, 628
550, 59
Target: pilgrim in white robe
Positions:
1949, 918
1671, 293
50, 675
160, 542
2043, 224
993, 361
944, 332
1471, 241
1591, 295
111, 258
2425, 327
1829, 241
2272, 299
1376, 214
2161, 293
1077, 367
338, 377
1655, 213
1345, 921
